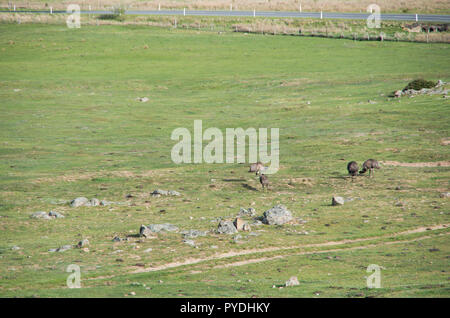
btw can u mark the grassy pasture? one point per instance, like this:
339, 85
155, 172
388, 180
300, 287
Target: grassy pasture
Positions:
71, 126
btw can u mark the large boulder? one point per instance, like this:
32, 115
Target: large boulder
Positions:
226, 227
277, 215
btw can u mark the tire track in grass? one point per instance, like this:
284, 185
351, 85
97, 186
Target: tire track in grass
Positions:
191, 261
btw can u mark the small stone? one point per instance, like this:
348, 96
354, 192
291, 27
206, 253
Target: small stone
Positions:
293, 281
148, 250
445, 195
174, 193
79, 202
15, 248
190, 243
116, 239
56, 215
83, 243
40, 215
94, 202
143, 99
337, 201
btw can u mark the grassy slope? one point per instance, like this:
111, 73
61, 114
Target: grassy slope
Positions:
75, 129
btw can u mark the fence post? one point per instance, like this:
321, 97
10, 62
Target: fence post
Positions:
254, 12
14, 7
231, 7
417, 17
159, 6
51, 10
300, 8
321, 14
184, 11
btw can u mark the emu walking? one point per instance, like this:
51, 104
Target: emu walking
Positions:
370, 164
352, 168
264, 181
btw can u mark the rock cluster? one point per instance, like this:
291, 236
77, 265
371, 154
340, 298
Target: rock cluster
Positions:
46, 216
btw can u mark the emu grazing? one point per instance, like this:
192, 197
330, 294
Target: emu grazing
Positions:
370, 164
256, 167
352, 168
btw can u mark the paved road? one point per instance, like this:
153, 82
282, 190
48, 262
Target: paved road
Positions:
279, 14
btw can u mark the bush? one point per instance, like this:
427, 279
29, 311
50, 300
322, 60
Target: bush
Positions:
117, 15
418, 84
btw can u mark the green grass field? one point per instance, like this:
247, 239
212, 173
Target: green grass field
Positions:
71, 126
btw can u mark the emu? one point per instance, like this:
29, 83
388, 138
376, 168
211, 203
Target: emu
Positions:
370, 164
264, 181
256, 167
352, 168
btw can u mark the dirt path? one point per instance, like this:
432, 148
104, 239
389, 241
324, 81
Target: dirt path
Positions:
192, 261
416, 164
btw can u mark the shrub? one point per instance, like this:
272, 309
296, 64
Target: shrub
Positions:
420, 83
117, 15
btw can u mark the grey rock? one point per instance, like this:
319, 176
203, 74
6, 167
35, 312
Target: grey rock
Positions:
159, 192
193, 233
64, 248
190, 243
94, 202
226, 227
277, 215
174, 193
83, 243
116, 239
238, 237
445, 195
55, 214
166, 227
40, 215
293, 281
79, 202
143, 99
148, 250
337, 201
247, 212
145, 231
15, 248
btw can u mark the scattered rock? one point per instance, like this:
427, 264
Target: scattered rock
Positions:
55, 214
40, 215
193, 233
105, 203
337, 201
15, 248
174, 193
445, 195
166, 227
293, 281
143, 99
148, 250
247, 212
116, 239
236, 238
277, 215
79, 202
61, 249
145, 231
83, 243
226, 227
190, 243
239, 224
158, 193
93, 202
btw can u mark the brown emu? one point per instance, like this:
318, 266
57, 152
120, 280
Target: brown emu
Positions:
264, 181
370, 164
352, 168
